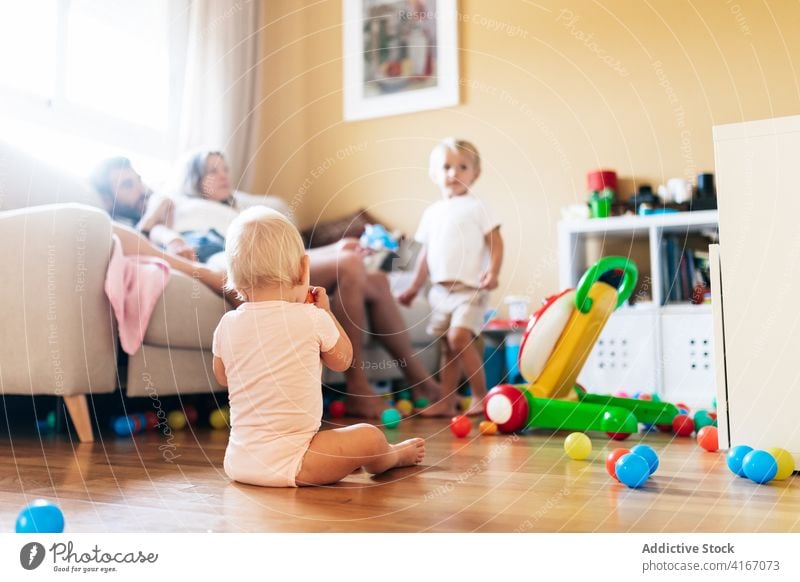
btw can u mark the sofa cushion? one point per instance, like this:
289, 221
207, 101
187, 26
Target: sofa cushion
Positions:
186, 315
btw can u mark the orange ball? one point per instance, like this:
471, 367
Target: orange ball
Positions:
611, 461
487, 427
708, 438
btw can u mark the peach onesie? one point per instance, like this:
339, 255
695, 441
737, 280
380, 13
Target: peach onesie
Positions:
271, 351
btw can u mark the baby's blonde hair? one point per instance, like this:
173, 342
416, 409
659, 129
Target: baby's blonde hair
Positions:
262, 247
459, 146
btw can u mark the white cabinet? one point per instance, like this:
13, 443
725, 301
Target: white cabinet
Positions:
657, 345
757, 321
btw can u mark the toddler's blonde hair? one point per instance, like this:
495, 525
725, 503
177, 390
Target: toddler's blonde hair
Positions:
262, 247
458, 146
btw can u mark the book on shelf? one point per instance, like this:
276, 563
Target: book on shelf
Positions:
685, 272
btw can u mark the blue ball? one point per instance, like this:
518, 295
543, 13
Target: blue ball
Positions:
735, 457
759, 466
123, 426
632, 470
649, 454
41, 516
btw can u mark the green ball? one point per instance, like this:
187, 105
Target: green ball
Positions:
714, 403
701, 419
51, 420
421, 403
391, 418
656, 398
404, 395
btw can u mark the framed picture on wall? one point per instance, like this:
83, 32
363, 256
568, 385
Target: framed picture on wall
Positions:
400, 56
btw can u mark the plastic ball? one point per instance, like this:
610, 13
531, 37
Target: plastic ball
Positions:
701, 419
619, 424
649, 454
632, 470
405, 395
405, 407
577, 446
219, 418
336, 409
785, 462
176, 420
621, 394
611, 461
645, 396
708, 438
51, 419
759, 466
391, 418
655, 397
123, 426
191, 414
40, 516
487, 427
465, 403
460, 426
507, 407
714, 403
735, 457
152, 419
421, 402
683, 425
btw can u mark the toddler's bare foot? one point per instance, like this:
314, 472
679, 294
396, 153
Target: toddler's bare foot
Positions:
445, 407
475, 409
365, 406
410, 452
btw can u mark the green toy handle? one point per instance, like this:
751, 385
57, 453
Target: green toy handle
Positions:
631, 274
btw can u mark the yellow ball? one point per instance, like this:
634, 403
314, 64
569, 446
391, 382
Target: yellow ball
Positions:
176, 420
785, 463
219, 418
466, 402
404, 407
487, 427
578, 446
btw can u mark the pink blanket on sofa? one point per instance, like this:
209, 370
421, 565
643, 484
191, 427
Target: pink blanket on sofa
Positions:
133, 286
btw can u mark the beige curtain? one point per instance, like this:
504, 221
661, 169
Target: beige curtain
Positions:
221, 83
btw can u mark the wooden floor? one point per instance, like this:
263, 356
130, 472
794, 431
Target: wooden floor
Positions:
492, 484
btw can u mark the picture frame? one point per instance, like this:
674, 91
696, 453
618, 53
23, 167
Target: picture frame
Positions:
400, 56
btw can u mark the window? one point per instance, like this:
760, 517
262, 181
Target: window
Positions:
91, 78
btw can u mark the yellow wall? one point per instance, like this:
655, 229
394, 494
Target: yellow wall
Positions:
549, 91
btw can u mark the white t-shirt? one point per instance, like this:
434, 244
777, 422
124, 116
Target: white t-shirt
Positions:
271, 351
453, 231
201, 214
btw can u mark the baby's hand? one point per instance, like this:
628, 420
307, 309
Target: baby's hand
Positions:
320, 298
407, 297
489, 281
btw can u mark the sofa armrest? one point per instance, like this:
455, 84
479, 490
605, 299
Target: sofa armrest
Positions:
58, 330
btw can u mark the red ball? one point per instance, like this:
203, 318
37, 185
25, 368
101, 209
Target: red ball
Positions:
618, 436
713, 415
682, 406
645, 397
683, 425
336, 409
708, 438
664, 427
460, 426
511, 406
611, 461
152, 419
191, 414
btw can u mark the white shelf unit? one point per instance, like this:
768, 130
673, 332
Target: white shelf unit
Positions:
648, 347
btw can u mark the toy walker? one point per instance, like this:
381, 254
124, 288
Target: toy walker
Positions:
554, 349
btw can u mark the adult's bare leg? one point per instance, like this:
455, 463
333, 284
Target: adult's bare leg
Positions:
133, 243
345, 272
389, 328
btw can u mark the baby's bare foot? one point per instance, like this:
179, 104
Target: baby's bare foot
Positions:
410, 452
365, 406
475, 409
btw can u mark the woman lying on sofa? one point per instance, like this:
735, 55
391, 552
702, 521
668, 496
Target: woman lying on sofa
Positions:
201, 214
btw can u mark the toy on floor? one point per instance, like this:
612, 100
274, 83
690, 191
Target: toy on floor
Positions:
649, 454
487, 427
611, 461
421, 402
336, 409
577, 446
785, 463
460, 426
735, 457
220, 418
632, 470
683, 425
759, 466
708, 438
40, 516
555, 347
391, 418
404, 407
